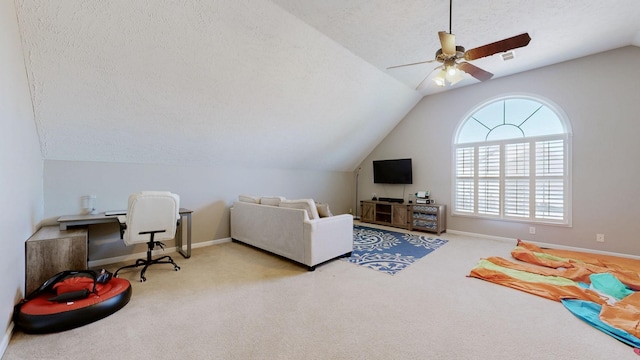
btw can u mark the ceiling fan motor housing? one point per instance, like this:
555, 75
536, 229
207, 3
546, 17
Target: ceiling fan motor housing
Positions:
441, 57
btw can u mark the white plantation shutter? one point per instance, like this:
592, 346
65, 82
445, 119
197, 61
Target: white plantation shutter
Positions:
550, 199
465, 161
465, 164
550, 158
550, 170
520, 170
489, 180
516, 198
464, 196
489, 197
516, 159
516, 187
489, 161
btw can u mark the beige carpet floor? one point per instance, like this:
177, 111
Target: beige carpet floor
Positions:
231, 301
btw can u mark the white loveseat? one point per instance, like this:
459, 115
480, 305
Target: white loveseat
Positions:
285, 228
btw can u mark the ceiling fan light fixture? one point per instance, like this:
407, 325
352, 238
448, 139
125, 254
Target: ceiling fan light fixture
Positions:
441, 78
455, 78
449, 75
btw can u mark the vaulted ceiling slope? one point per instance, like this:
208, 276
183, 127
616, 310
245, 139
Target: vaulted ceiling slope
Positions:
225, 83
295, 84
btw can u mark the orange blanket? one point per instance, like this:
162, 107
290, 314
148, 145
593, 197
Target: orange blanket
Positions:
564, 274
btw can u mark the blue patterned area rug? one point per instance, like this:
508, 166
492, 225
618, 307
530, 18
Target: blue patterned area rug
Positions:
389, 251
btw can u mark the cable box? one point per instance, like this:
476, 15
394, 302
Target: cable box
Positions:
393, 200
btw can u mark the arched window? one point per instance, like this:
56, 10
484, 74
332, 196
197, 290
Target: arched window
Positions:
511, 162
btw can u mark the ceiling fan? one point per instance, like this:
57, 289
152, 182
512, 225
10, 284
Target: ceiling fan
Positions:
449, 55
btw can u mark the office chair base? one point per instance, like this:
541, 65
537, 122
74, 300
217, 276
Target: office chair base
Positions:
148, 262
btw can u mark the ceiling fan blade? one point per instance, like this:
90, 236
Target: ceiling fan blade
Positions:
448, 43
415, 63
475, 71
498, 47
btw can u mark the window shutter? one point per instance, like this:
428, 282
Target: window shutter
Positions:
550, 199
516, 185
550, 158
516, 197
465, 163
489, 197
464, 196
516, 158
488, 180
550, 170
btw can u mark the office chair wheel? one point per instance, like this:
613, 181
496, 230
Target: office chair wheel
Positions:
176, 268
143, 279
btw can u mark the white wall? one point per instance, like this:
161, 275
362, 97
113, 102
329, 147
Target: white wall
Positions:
20, 168
600, 95
208, 191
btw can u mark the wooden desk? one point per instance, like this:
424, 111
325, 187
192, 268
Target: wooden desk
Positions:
50, 251
91, 219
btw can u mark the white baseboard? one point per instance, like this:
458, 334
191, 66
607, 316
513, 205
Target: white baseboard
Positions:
143, 255
5, 340
484, 236
544, 245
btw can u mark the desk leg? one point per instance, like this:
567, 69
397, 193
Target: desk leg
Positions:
186, 255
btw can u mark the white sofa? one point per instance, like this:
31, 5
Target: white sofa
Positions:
286, 229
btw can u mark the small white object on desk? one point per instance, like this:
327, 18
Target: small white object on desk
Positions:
89, 204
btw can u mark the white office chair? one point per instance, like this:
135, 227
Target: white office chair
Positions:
152, 216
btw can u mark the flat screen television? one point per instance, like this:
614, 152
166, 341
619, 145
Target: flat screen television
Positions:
397, 171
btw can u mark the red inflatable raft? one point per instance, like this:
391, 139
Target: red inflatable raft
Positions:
69, 300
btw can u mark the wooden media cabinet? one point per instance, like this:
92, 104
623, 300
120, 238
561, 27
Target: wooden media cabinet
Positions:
420, 217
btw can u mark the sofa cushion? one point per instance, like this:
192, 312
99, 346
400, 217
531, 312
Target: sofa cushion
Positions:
249, 199
271, 200
323, 210
305, 204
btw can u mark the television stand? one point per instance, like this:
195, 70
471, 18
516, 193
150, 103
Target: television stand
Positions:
417, 217
385, 213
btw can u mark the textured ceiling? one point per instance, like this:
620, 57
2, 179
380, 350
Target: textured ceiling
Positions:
296, 84
387, 33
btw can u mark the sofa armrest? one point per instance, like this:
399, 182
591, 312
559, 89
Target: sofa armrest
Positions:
329, 237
